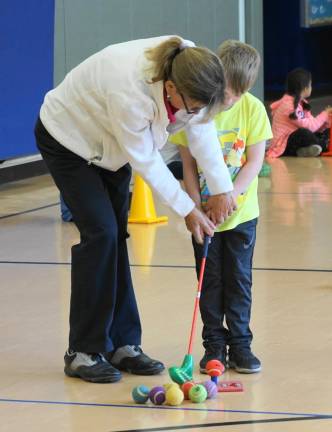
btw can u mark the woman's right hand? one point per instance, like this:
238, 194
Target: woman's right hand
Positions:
199, 225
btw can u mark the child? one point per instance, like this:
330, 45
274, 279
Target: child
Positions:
226, 293
295, 131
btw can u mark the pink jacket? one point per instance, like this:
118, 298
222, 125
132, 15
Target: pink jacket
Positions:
283, 126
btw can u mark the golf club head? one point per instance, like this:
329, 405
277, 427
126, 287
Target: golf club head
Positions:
183, 373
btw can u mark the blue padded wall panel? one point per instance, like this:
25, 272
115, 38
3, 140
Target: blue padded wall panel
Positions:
26, 71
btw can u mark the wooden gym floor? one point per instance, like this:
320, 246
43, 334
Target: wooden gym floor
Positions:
292, 319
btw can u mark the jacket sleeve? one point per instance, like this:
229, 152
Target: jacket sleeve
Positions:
205, 147
312, 123
131, 128
308, 121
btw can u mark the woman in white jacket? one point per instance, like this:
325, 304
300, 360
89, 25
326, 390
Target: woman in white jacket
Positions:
112, 112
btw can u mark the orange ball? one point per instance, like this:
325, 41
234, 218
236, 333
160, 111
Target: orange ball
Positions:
214, 368
186, 387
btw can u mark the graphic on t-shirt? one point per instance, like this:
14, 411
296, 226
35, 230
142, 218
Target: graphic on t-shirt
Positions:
233, 148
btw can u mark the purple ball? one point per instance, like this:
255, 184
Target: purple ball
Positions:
211, 388
157, 395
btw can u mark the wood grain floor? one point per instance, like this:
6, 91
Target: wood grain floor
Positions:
292, 319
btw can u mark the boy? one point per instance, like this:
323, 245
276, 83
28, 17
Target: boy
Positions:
243, 129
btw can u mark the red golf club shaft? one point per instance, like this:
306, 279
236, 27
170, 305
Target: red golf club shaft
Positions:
198, 293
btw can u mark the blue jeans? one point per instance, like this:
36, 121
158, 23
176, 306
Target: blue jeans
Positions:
226, 290
103, 309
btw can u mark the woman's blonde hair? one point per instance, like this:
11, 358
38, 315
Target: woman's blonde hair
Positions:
241, 64
196, 72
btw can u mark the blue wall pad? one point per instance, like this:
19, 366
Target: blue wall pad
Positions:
26, 71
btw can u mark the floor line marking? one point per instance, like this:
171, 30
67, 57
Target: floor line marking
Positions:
164, 407
225, 424
169, 266
28, 211
259, 193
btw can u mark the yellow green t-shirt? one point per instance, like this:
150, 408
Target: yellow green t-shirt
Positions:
244, 124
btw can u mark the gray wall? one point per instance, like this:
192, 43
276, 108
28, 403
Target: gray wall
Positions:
83, 27
254, 36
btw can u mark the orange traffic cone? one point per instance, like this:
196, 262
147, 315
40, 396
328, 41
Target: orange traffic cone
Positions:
329, 149
142, 207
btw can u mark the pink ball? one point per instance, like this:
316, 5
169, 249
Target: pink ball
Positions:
211, 388
157, 395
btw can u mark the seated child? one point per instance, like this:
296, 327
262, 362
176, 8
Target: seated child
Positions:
296, 132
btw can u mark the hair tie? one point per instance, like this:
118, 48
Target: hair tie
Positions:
186, 44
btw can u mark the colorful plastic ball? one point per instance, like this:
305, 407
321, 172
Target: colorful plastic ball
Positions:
214, 368
167, 386
140, 394
198, 393
174, 396
157, 395
211, 388
186, 387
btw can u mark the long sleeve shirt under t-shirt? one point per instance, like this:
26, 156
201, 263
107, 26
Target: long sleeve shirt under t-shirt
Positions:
109, 112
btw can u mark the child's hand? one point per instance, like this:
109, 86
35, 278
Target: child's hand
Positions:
220, 207
328, 109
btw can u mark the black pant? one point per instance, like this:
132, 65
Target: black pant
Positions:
226, 290
303, 137
103, 310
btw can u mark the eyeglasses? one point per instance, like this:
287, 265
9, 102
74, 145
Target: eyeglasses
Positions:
195, 110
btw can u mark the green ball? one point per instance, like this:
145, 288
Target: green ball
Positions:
198, 393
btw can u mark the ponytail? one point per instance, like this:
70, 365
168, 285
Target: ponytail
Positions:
305, 106
162, 57
297, 99
297, 80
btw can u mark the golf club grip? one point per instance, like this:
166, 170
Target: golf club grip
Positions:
207, 240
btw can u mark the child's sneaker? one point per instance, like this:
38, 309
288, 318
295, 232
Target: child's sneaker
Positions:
243, 360
90, 367
213, 353
310, 151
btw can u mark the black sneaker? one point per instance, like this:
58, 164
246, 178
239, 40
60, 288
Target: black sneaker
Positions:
213, 353
90, 367
131, 358
243, 360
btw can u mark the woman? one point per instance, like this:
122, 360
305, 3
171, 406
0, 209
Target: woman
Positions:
114, 111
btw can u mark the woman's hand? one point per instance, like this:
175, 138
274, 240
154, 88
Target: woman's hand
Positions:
220, 207
199, 225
